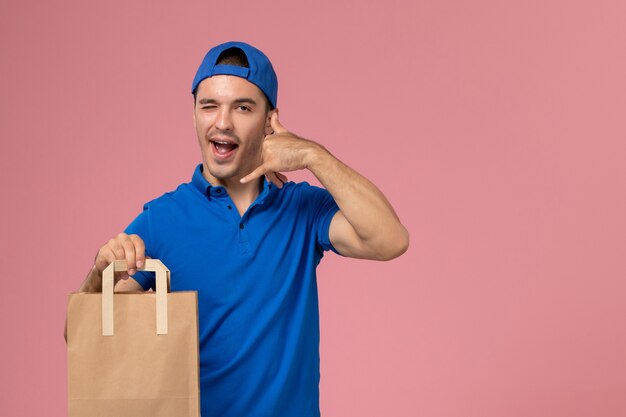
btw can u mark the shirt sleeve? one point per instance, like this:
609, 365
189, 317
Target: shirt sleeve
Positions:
324, 209
141, 227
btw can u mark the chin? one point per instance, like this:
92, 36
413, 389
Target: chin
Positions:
222, 174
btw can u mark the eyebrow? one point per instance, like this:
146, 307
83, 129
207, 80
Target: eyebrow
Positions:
238, 101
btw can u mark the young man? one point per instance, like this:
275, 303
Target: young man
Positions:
249, 241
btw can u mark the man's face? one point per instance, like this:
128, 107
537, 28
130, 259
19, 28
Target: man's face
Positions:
231, 119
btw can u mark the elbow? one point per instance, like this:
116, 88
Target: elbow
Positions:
396, 246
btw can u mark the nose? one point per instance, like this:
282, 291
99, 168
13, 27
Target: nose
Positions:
223, 119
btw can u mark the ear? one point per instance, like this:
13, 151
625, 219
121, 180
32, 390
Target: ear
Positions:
268, 122
194, 112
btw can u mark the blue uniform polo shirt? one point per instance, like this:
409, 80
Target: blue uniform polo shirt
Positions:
257, 289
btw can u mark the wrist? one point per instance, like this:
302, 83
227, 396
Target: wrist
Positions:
93, 283
316, 156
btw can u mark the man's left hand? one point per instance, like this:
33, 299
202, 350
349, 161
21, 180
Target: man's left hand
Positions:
282, 152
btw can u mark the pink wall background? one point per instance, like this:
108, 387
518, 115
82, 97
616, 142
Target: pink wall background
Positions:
496, 129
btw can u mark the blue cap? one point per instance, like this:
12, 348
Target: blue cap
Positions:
260, 71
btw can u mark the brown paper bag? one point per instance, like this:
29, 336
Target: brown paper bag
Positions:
133, 354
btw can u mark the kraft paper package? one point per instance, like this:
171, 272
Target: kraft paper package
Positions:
133, 354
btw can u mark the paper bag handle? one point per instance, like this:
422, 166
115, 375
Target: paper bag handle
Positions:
162, 281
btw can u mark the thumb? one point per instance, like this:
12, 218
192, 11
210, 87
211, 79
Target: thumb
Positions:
276, 126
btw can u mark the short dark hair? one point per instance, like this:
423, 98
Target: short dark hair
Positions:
236, 57
233, 56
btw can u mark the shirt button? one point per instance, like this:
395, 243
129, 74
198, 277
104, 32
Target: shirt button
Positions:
230, 207
219, 191
241, 226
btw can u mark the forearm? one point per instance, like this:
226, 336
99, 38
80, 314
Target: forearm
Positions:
362, 204
93, 282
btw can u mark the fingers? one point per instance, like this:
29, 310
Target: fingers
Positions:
254, 174
105, 256
282, 177
128, 253
140, 250
130, 248
273, 177
276, 126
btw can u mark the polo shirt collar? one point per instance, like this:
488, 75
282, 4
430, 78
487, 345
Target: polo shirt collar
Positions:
211, 191
199, 181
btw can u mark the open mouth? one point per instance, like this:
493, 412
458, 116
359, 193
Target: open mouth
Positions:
223, 148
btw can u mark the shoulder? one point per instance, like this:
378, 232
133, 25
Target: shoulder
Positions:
185, 195
305, 197
302, 193
165, 211
302, 189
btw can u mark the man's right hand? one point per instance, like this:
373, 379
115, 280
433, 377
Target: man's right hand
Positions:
129, 248
122, 247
